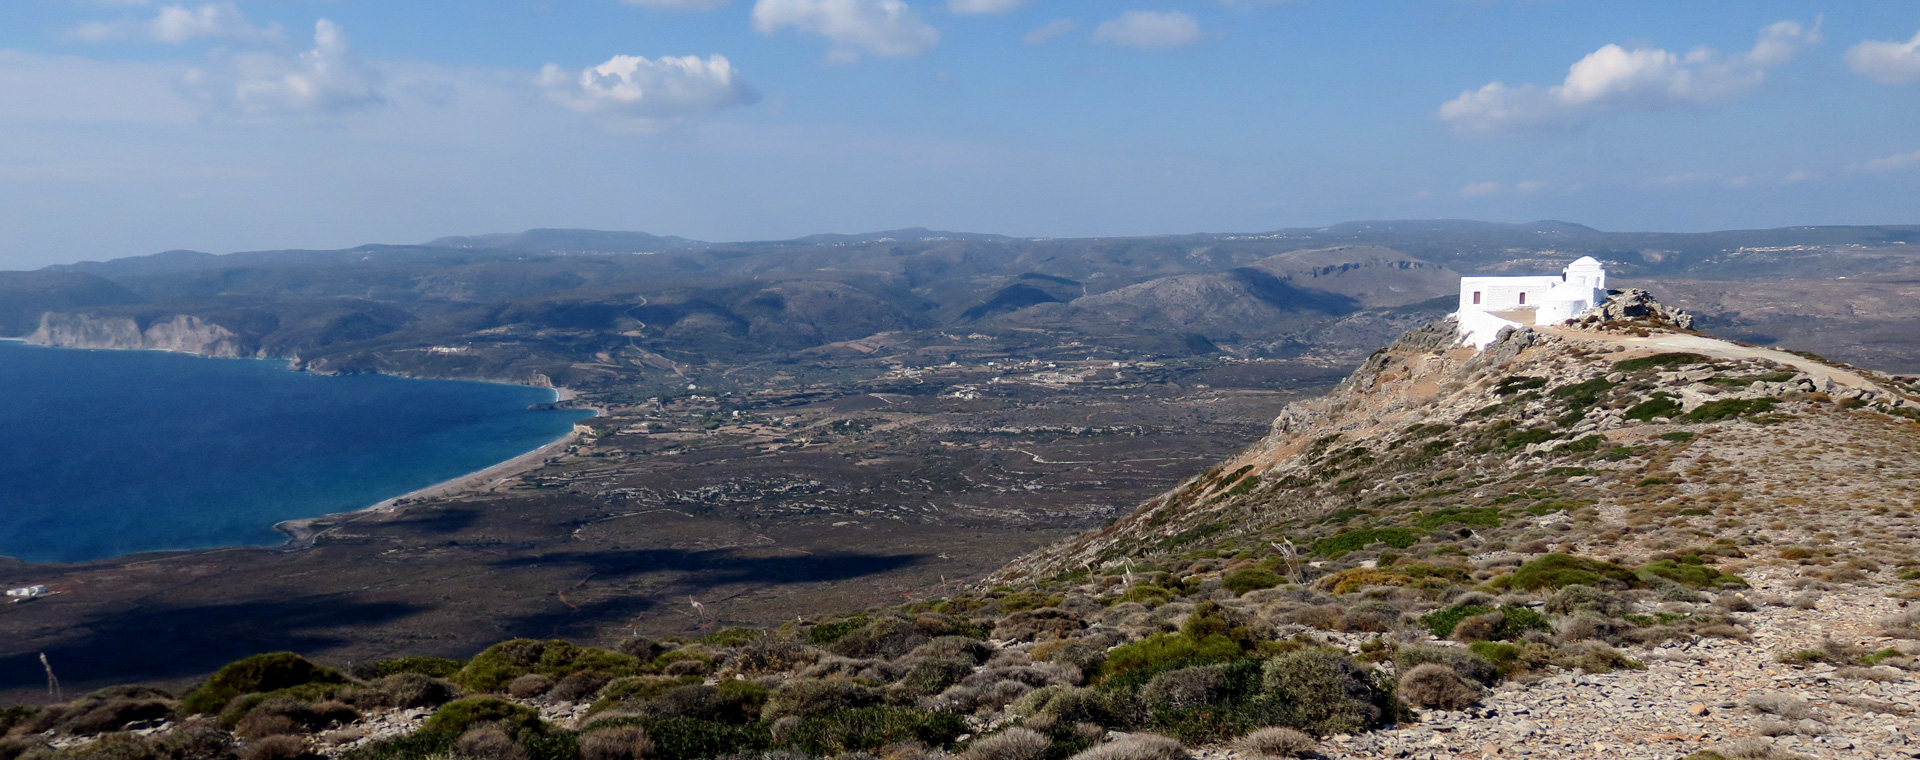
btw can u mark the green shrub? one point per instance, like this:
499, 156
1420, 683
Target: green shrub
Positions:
1245, 485
826, 633
1677, 436
808, 696
1553, 571
1324, 692
1250, 579
454, 718
418, 745
438, 667
1517, 383
1691, 574
1164, 651
1208, 703
308, 692
253, 675
1583, 444
1577, 598
1583, 394
493, 669
1354, 540
1487, 516
1673, 359
1110, 706
1522, 438
1152, 596
870, 728
1728, 408
1619, 453
1512, 658
692, 739
636, 689
931, 675
1659, 405
1028, 600
889, 637
1514, 620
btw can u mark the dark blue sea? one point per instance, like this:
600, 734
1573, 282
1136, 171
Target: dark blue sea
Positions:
104, 453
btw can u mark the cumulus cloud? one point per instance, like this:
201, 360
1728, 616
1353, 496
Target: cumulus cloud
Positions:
177, 24
1045, 34
1616, 78
1149, 29
879, 27
327, 79
678, 5
983, 7
1477, 189
1887, 62
663, 88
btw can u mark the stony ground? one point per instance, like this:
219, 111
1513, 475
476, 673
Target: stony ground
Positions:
1695, 695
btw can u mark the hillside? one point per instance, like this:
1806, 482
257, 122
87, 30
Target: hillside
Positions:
1618, 538
1750, 512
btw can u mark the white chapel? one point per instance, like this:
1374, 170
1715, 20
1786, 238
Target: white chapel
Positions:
1488, 304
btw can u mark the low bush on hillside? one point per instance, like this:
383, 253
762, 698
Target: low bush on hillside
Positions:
256, 674
454, 718
492, 670
1354, 540
1249, 579
1481, 623
1670, 359
1692, 574
1554, 571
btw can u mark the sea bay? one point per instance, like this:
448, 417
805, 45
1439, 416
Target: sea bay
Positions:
106, 453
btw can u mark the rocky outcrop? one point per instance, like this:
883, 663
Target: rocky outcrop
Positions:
1636, 305
180, 332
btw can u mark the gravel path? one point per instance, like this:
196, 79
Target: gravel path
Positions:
1720, 349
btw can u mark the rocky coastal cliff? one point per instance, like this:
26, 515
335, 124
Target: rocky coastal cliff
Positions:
181, 333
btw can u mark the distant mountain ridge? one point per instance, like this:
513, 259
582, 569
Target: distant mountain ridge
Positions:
581, 307
568, 241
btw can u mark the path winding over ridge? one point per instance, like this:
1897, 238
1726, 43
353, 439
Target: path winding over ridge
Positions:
1721, 349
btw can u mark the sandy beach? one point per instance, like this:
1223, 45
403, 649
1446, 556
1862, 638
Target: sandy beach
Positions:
301, 531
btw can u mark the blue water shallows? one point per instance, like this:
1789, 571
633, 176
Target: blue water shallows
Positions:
104, 453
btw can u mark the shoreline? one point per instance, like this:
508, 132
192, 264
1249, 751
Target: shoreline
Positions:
301, 531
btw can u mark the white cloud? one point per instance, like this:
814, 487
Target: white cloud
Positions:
1532, 186
1046, 33
1478, 189
983, 7
678, 5
1887, 62
879, 27
1149, 29
1616, 78
326, 79
176, 24
1892, 163
657, 89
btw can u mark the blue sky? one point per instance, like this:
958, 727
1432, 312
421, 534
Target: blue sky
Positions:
132, 126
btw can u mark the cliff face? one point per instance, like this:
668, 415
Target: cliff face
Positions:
182, 333
1544, 421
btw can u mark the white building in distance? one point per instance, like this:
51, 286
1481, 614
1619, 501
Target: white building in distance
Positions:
1488, 304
